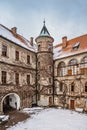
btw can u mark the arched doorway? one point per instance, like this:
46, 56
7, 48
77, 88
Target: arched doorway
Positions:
10, 101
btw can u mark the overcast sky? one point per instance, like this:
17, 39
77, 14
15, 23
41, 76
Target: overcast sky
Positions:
63, 17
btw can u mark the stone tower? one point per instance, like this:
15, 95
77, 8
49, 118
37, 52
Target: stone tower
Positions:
44, 68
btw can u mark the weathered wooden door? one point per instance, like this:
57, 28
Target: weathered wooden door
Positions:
72, 104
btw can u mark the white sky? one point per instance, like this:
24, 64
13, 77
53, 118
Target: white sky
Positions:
63, 17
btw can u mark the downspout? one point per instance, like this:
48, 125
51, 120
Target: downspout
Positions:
36, 80
53, 84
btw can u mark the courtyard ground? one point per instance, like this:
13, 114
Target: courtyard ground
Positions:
52, 119
15, 117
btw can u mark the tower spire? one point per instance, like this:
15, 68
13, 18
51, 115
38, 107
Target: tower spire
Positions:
44, 21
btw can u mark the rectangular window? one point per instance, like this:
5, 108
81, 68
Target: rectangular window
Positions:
16, 78
50, 91
72, 88
50, 68
28, 59
4, 77
85, 88
17, 55
61, 87
50, 80
4, 50
38, 64
28, 79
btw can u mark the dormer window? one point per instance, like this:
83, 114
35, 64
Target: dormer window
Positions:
76, 46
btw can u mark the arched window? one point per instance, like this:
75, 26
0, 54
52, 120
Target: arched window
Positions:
83, 66
61, 69
86, 87
84, 60
73, 67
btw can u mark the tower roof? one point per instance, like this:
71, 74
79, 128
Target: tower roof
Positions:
44, 31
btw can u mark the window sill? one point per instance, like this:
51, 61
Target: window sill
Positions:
4, 56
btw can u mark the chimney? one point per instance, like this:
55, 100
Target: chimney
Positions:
14, 30
31, 41
64, 41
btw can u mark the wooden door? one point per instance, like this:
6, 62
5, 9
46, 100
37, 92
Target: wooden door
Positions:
72, 104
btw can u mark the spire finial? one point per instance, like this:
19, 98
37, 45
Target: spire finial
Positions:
44, 21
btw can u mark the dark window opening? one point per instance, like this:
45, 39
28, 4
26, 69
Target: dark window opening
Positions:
17, 78
28, 59
39, 47
4, 77
85, 88
72, 87
61, 87
28, 79
17, 55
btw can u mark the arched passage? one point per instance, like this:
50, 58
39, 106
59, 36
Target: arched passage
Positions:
10, 101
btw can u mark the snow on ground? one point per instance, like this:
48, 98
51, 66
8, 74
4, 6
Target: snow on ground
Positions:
52, 119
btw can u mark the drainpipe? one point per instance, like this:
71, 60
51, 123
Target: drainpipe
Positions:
36, 79
53, 84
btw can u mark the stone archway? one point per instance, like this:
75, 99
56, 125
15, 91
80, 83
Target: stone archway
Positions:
11, 100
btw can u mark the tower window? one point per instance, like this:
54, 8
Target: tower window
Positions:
50, 80
39, 47
50, 68
38, 64
50, 91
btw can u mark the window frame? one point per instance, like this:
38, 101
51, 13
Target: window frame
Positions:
28, 59
17, 78
4, 50
28, 79
17, 55
4, 77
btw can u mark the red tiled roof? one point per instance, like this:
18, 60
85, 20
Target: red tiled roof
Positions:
16, 38
68, 50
